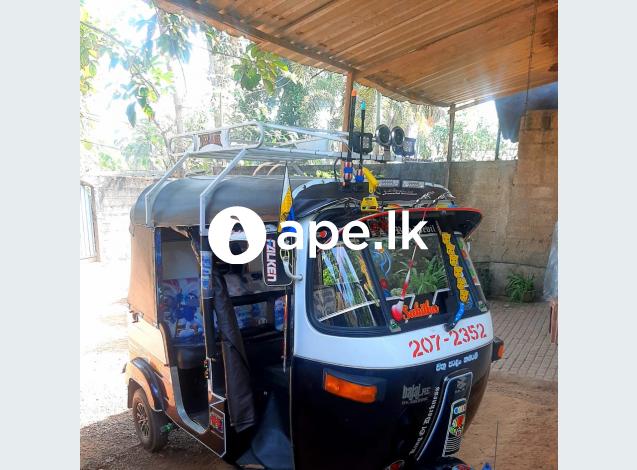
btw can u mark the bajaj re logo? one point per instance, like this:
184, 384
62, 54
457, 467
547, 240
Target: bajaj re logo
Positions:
415, 394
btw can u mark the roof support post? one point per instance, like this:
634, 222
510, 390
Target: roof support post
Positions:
347, 99
497, 142
452, 123
378, 104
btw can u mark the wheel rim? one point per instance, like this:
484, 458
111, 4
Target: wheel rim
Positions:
142, 420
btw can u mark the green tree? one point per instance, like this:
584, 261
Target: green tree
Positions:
151, 65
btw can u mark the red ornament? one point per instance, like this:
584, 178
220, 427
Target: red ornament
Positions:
396, 312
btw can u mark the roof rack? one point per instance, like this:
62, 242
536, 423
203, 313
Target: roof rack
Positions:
253, 140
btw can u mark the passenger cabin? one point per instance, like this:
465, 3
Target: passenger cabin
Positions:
165, 284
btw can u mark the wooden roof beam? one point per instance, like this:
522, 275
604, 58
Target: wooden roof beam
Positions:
309, 16
386, 64
414, 97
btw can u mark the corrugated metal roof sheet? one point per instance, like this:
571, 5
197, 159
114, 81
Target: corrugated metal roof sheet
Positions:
425, 51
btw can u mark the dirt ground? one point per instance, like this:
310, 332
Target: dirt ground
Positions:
522, 411
523, 414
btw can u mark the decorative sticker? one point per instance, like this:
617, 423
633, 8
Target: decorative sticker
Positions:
422, 434
458, 272
457, 421
217, 422
420, 310
206, 274
457, 425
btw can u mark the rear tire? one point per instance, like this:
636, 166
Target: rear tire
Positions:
148, 423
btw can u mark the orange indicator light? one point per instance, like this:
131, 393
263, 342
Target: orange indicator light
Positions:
349, 390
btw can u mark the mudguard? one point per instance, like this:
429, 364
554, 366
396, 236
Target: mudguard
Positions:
139, 372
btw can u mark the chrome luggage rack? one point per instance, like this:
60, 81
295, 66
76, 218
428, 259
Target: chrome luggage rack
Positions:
257, 141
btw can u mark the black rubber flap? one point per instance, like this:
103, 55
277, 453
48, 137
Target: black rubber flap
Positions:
271, 447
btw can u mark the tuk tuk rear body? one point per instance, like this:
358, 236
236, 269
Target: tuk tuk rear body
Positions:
323, 372
429, 380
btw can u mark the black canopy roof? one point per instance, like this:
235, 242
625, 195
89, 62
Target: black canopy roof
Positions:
177, 202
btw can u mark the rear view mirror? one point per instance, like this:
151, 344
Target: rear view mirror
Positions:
277, 271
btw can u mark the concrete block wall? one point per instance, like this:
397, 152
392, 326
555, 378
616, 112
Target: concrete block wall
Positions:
114, 197
519, 202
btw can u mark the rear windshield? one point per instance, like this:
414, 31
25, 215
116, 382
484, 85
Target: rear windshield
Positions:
382, 289
421, 273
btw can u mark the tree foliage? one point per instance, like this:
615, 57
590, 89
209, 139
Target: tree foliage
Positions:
151, 63
258, 67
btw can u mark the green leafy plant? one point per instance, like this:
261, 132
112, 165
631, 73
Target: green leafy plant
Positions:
432, 278
520, 288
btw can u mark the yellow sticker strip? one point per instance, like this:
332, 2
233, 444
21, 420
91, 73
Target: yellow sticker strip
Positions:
458, 272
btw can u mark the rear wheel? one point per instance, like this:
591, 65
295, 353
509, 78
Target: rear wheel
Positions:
148, 423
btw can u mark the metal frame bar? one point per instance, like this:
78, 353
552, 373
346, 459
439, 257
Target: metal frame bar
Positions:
236, 153
149, 197
213, 184
336, 136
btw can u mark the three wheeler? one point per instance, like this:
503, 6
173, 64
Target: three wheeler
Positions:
374, 358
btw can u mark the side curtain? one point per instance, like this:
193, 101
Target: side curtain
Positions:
238, 387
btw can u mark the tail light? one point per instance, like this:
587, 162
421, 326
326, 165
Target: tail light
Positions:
350, 390
498, 349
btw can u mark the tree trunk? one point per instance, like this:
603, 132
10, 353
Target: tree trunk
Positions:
212, 74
